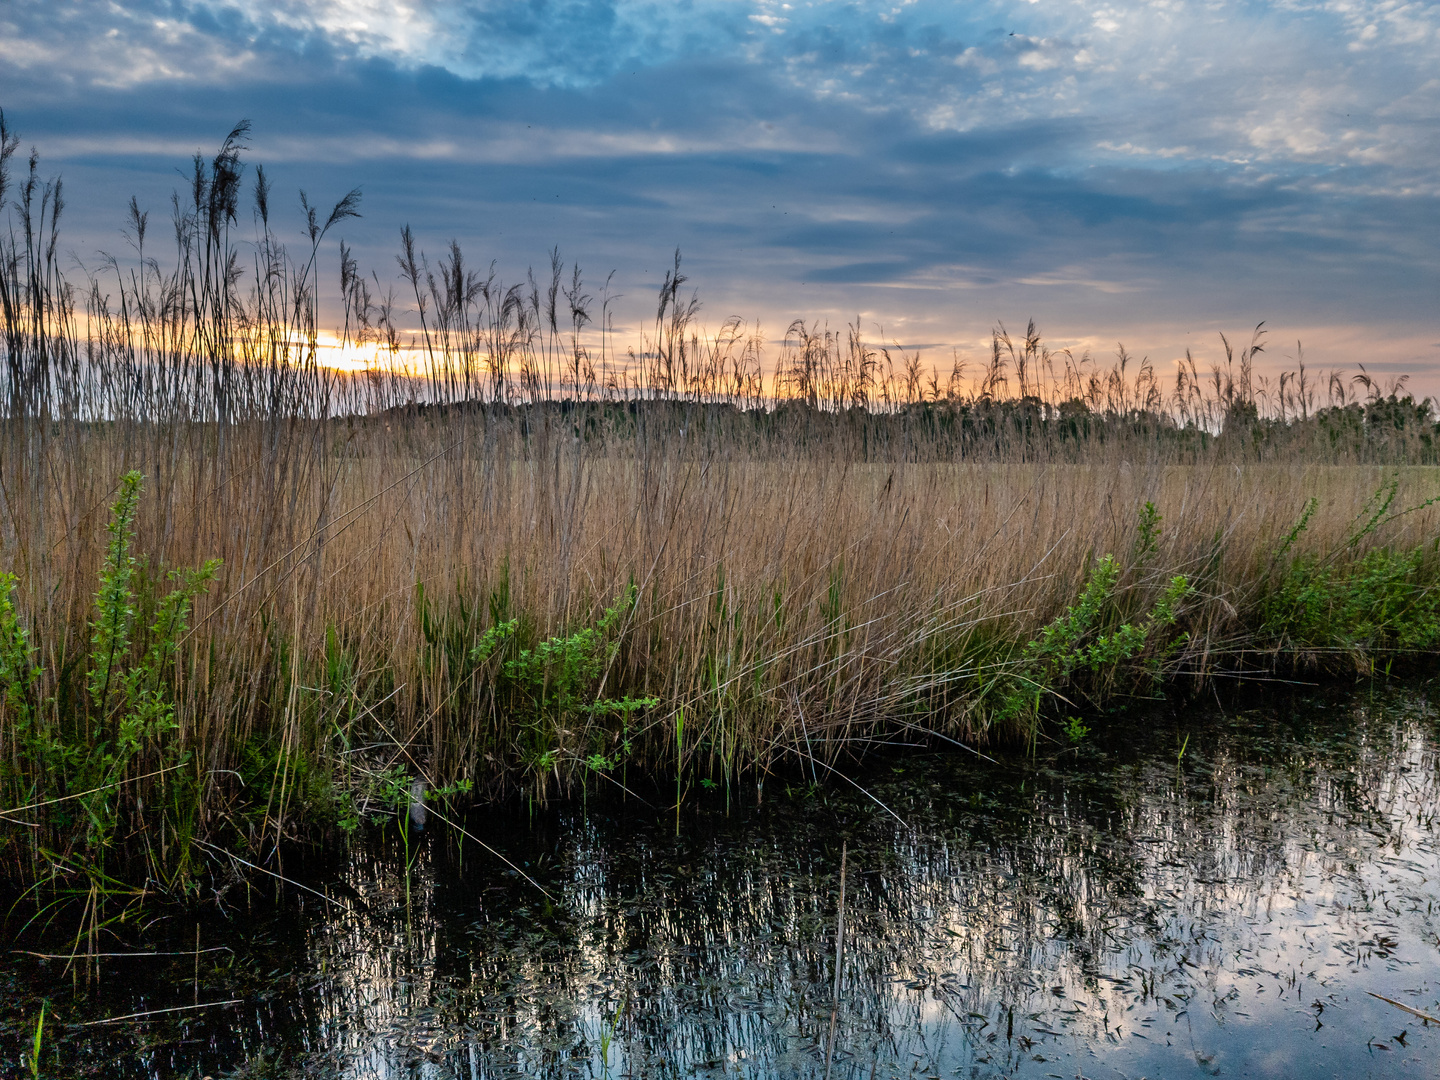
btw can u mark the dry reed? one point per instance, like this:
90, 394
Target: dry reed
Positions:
800, 558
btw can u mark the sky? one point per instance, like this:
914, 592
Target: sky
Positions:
1151, 172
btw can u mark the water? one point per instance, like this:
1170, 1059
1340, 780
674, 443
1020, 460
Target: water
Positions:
1118, 910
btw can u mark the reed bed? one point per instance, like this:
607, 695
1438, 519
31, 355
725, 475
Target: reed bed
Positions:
252, 596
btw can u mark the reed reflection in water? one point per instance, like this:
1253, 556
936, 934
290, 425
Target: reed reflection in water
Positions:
1133, 911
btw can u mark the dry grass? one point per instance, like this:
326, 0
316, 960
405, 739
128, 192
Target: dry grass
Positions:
797, 601
851, 550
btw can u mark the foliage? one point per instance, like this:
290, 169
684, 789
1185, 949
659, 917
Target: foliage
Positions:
1087, 649
19, 674
1353, 601
126, 714
132, 709
560, 685
1385, 600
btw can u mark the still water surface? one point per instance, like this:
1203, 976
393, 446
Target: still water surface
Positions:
1116, 910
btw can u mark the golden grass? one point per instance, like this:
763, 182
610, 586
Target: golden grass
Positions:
835, 548
791, 606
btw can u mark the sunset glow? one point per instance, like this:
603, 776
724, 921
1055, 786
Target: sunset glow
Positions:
1147, 173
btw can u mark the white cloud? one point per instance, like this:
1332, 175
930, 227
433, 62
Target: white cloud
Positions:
1330, 83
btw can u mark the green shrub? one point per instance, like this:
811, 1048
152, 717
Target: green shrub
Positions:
1384, 600
1089, 650
563, 687
81, 758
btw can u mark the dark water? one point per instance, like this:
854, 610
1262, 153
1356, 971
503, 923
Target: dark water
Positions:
1113, 911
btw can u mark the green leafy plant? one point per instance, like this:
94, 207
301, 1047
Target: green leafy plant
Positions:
19, 674
19, 682
1147, 541
1382, 601
129, 696
1088, 649
124, 714
1352, 603
558, 689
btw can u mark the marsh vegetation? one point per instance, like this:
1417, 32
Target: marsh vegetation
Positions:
1117, 909
250, 596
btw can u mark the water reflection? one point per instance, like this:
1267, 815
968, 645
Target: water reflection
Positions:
1122, 911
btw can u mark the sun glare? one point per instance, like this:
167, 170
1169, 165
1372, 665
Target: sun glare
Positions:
357, 357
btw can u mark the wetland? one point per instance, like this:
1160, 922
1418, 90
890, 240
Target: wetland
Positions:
1196, 891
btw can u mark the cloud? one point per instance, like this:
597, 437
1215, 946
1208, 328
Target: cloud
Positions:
1123, 163
1311, 83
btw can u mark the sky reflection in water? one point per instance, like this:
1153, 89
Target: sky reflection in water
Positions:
1112, 913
